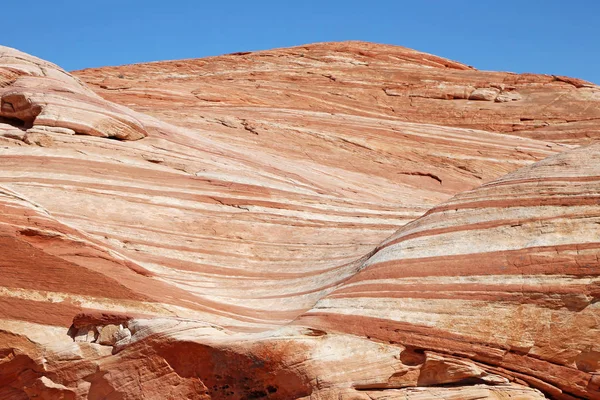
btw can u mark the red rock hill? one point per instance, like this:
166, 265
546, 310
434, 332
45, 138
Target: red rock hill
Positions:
220, 228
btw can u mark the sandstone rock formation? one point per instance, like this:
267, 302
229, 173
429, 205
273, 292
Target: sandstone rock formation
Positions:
220, 228
504, 275
40, 97
361, 79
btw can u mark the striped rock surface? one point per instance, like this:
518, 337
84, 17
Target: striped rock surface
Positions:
37, 96
354, 78
255, 228
505, 275
194, 256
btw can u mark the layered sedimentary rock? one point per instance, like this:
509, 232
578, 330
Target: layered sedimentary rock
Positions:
40, 97
225, 237
255, 227
356, 78
505, 275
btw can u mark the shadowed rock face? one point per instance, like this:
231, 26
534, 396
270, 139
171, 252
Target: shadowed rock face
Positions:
38, 96
234, 243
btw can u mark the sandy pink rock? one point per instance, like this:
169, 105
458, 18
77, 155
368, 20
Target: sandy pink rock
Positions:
240, 229
35, 93
357, 78
505, 275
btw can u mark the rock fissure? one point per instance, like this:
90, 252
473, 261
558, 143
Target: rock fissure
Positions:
426, 174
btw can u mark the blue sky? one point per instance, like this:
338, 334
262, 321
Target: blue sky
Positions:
544, 36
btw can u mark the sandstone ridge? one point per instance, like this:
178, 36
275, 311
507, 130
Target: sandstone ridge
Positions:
331, 221
358, 78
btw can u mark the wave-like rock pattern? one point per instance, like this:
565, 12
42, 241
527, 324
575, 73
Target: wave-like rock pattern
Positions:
506, 275
256, 230
232, 247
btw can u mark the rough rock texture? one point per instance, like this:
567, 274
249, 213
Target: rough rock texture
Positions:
356, 78
37, 96
231, 244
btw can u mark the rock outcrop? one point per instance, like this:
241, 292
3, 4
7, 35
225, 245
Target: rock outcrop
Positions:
504, 275
234, 242
38, 97
357, 78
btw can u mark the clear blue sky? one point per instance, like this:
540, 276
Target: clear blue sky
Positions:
546, 36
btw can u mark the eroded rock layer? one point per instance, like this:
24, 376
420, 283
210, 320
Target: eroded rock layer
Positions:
356, 78
228, 243
37, 96
506, 275
255, 230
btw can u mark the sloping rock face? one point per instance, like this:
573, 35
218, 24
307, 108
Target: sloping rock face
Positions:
356, 78
255, 228
225, 237
506, 275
